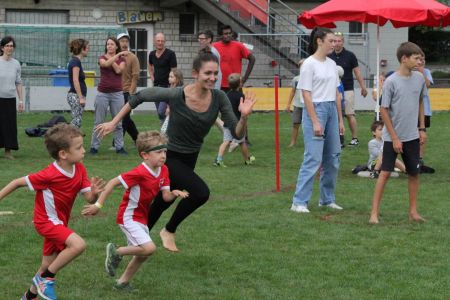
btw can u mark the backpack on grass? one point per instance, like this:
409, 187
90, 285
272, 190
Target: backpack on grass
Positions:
41, 129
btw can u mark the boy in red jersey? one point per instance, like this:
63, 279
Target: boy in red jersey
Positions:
142, 184
57, 187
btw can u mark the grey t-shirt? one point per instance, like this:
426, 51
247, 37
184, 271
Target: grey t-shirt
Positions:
375, 149
9, 77
401, 96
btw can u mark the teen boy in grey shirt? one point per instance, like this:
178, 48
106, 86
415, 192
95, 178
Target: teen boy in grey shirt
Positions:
401, 97
402, 103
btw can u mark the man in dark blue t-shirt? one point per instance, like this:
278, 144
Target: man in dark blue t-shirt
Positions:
347, 60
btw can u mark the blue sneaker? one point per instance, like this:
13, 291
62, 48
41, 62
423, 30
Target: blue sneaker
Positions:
45, 287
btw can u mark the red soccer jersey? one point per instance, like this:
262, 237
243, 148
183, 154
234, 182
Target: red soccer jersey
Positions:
231, 56
56, 191
142, 186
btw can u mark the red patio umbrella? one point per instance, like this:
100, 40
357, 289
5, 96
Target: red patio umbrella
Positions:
401, 13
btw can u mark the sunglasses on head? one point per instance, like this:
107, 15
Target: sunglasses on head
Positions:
337, 33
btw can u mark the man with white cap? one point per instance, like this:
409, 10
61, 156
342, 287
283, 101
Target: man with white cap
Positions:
130, 77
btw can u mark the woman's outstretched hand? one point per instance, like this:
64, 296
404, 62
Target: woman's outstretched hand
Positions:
246, 105
104, 128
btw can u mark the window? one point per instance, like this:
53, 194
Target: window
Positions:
188, 24
138, 45
356, 30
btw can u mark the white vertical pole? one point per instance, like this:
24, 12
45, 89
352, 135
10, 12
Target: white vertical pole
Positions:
377, 106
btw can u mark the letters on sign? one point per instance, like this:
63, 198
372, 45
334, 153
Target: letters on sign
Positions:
128, 16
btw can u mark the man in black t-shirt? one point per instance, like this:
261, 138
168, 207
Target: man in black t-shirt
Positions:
347, 60
161, 61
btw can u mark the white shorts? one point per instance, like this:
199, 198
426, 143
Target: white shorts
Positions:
228, 137
136, 233
349, 97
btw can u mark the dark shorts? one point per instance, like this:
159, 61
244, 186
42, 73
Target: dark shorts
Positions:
427, 122
297, 115
410, 156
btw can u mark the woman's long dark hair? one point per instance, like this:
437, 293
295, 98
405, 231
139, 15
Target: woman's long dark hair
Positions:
317, 33
203, 57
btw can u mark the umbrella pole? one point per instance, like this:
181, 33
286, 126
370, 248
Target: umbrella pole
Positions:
377, 105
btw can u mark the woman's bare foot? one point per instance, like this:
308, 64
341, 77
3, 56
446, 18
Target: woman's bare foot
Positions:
8, 154
373, 220
416, 218
291, 145
168, 240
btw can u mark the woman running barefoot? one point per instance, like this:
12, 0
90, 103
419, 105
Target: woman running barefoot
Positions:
193, 110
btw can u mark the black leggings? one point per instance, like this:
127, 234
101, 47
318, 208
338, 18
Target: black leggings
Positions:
182, 177
127, 123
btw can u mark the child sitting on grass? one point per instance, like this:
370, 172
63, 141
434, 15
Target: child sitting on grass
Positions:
142, 184
57, 187
375, 146
235, 97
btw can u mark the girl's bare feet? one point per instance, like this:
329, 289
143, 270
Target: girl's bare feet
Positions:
373, 220
168, 240
416, 218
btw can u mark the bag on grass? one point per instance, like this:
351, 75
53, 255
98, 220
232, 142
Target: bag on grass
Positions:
35, 131
359, 168
53, 121
41, 129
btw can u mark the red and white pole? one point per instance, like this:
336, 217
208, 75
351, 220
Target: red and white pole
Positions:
277, 138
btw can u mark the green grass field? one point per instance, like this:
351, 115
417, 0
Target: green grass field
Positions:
245, 243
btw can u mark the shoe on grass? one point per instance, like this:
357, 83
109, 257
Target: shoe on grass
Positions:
374, 174
112, 259
45, 287
24, 297
219, 163
124, 286
354, 142
299, 208
426, 169
122, 151
93, 151
250, 160
331, 205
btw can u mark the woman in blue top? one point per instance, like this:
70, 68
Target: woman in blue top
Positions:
76, 97
322, 123
193, 110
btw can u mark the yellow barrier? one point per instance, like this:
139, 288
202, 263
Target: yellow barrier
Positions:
266, 98
90, 78
440, 98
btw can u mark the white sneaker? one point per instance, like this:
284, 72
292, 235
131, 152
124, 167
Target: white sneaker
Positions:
299, 208
331, 205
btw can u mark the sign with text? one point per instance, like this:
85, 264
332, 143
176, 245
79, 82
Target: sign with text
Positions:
128, 16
